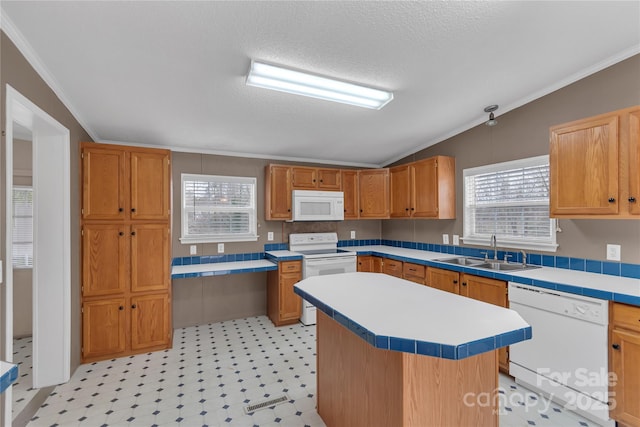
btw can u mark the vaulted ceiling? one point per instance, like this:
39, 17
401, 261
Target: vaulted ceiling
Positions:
173, 73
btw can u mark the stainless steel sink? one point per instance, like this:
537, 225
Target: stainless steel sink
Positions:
463, 261
505, 266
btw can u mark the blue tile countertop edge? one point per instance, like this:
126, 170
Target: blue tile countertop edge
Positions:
9, 375
443, 351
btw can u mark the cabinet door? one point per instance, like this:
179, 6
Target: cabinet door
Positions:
376, 264
624, 356
414, 272
392, 267
150, 191
103, 183
105, 259
303, 178
444, 280
103, 328
290, 303
491, 291
583, 161
150, 259
150, 321
400, 187
634, 162
349, 182
424, 182
278, 197
374, 193
329, 179
365, 263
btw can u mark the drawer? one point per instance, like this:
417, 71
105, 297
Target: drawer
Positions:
392, 267
625, 315
290, 266
415, 270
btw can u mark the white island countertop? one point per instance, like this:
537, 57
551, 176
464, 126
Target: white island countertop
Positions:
395, 314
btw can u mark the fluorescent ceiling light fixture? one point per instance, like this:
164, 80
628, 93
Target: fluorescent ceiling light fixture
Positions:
300, 83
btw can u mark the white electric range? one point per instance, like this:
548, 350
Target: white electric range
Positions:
320, 256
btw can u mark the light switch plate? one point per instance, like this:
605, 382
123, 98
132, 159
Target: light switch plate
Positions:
613, 252
353, 234
220, 248
270, 236
193, 249
456, 240
445, 239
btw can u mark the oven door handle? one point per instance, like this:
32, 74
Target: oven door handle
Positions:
330, 261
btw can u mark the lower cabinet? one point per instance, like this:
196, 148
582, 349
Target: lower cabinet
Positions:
414, 272
284, 307
392, 267
624, 364
113, 327
369, 264
484, 289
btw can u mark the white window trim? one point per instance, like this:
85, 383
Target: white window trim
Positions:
501, 241
251, 237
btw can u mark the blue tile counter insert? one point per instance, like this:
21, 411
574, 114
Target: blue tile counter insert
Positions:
8, 375
394, 314
607, 280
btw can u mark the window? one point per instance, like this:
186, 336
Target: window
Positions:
218, 209
22, 215
510, 200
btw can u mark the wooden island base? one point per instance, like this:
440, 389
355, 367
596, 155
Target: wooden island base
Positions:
360, 385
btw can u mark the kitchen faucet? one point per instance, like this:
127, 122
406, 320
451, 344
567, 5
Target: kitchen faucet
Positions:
494, 245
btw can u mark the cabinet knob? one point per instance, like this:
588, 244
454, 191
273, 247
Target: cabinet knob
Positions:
616, 346
612, 200
288, 210
632, 199
464, 283
121, 308
121, 233
133, 209
133, 233
360, 210
413, 209
133, 306
120, 209
455, 282
406, 209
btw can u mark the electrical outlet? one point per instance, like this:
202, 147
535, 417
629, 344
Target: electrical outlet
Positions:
456, 240
353, 234
445, 239
270, 236
613, 252
193, 249
220, 248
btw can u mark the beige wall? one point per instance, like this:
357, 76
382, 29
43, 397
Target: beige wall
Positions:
524, 132
212, 299
16, 71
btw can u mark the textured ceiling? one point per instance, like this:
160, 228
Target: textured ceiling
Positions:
172, 73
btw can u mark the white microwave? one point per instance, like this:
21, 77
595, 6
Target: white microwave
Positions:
309, 205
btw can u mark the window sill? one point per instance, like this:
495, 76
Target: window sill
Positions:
533, 246
192, 240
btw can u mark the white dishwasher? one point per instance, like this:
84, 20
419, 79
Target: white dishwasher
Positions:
567, 357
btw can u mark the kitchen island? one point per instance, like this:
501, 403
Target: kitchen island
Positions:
394, 353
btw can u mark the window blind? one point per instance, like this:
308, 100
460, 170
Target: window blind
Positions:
218, 208
22, 217
510, 200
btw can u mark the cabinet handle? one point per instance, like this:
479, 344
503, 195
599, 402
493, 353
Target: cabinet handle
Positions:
133, 209
360, 210
133, 306
612, 200
322, 180
406, 209
413, 209
121, 308
464, 283
632, 199
616, 346
121, 233
133, 233
455, 282
120, 209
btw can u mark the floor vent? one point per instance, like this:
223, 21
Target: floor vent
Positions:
271, 402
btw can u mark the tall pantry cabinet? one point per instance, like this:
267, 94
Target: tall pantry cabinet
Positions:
126, 281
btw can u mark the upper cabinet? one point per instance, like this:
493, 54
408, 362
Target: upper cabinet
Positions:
349, 179
424, 189
594, 166
373, 187
123, 182
277, 199
305, 178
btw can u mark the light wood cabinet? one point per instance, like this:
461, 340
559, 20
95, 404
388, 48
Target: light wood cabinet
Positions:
277, 199
392, 267
415, 272
373, 188
624, 363
126, 259
594, 166
369, 264
423, 189
349, 182
284, 307
329, 179
484, 289
306, 178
